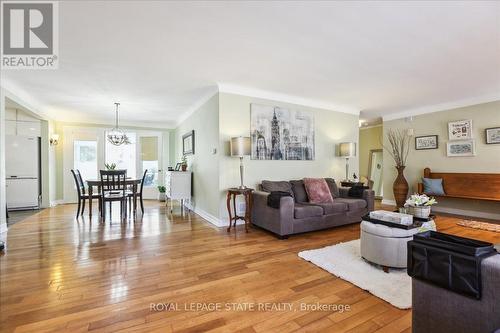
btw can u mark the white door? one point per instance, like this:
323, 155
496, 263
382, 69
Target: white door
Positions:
149, 149
83, 151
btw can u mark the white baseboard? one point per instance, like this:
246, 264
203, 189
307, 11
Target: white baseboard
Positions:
388, 202
466, 212
3, 227
219, 223
54, 203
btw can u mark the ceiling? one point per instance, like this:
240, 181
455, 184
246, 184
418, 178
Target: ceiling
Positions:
160, 59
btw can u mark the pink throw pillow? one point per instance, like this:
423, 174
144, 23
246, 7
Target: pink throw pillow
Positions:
317, 190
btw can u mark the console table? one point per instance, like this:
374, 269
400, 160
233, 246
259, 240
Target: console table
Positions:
177, 187
231, 195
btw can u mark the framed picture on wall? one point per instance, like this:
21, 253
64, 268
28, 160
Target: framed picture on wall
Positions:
426, 142
460, 130
492, 135
188, 143
460, 148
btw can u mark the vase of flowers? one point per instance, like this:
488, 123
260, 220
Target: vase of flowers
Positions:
420, 205
184, 163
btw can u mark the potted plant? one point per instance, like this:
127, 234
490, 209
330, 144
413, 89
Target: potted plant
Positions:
161, 194
399, 148
110, 166
184, 163
420, 205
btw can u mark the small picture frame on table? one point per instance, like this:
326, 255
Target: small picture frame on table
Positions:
178, 167
426, 142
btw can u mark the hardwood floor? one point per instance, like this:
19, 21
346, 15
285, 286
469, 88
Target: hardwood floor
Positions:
59, 274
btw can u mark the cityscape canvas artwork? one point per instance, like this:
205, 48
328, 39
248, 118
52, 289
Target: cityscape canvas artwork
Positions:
281, 134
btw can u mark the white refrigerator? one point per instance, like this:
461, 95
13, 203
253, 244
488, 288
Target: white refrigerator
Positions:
22, 165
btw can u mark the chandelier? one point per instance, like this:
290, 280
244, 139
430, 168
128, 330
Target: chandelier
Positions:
117, 136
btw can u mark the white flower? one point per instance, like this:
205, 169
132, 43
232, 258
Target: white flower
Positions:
416, 200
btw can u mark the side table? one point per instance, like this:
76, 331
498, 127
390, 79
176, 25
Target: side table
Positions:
231, 195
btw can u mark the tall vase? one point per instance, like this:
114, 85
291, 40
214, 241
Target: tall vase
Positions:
400, 187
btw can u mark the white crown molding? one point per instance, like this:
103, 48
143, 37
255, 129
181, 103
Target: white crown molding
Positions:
125, 124
22, 98
368, 127
443, 106
195, 106
257, 93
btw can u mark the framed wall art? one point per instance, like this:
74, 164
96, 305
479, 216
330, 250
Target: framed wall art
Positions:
460, 148
492, 135
426, 142
279, 133
460, 130
188, 143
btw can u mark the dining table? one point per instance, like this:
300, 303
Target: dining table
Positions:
96, 183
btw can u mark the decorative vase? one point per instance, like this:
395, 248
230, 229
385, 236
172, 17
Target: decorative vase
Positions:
400, 187
184, 167
161, 196
421, 211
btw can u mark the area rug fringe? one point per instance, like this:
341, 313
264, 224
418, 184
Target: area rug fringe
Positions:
480, 225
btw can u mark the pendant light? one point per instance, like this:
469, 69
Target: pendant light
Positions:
116, 136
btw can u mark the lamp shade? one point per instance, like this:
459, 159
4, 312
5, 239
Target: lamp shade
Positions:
347, 149
240, 146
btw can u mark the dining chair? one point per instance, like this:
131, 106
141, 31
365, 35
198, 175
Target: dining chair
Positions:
113, 188
82, 196
139, 192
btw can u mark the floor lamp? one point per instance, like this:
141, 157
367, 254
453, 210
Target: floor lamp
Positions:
347, 150
240, 147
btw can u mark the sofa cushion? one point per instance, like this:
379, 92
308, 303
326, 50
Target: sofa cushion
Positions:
353, 204
317, 190
276, 186
333, 207
334, 190
303, 211
299, 191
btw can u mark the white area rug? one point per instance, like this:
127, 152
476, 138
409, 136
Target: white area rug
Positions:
344, 260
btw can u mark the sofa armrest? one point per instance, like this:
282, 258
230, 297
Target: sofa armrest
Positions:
368, 196
469, 315
278, 221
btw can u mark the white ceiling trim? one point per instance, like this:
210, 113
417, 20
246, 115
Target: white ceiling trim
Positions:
195, 106
371, 126
257, 93
443, 106
19, 96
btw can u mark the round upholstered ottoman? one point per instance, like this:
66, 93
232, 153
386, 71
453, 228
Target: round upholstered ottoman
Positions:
386, 246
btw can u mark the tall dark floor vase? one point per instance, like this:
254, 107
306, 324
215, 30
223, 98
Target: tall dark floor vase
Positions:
400, 187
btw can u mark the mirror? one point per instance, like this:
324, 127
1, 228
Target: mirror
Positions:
375, 172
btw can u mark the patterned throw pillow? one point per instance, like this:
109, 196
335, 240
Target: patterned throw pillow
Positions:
317, 190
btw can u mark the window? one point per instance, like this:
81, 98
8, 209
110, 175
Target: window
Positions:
123, 156
85, 158
149, 159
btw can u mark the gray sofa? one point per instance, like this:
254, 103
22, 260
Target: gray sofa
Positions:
297, 215
439, 310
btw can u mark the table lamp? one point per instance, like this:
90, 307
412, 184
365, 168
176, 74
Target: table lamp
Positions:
347, 150
240, 147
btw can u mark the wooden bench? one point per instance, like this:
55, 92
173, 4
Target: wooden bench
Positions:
479, 186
